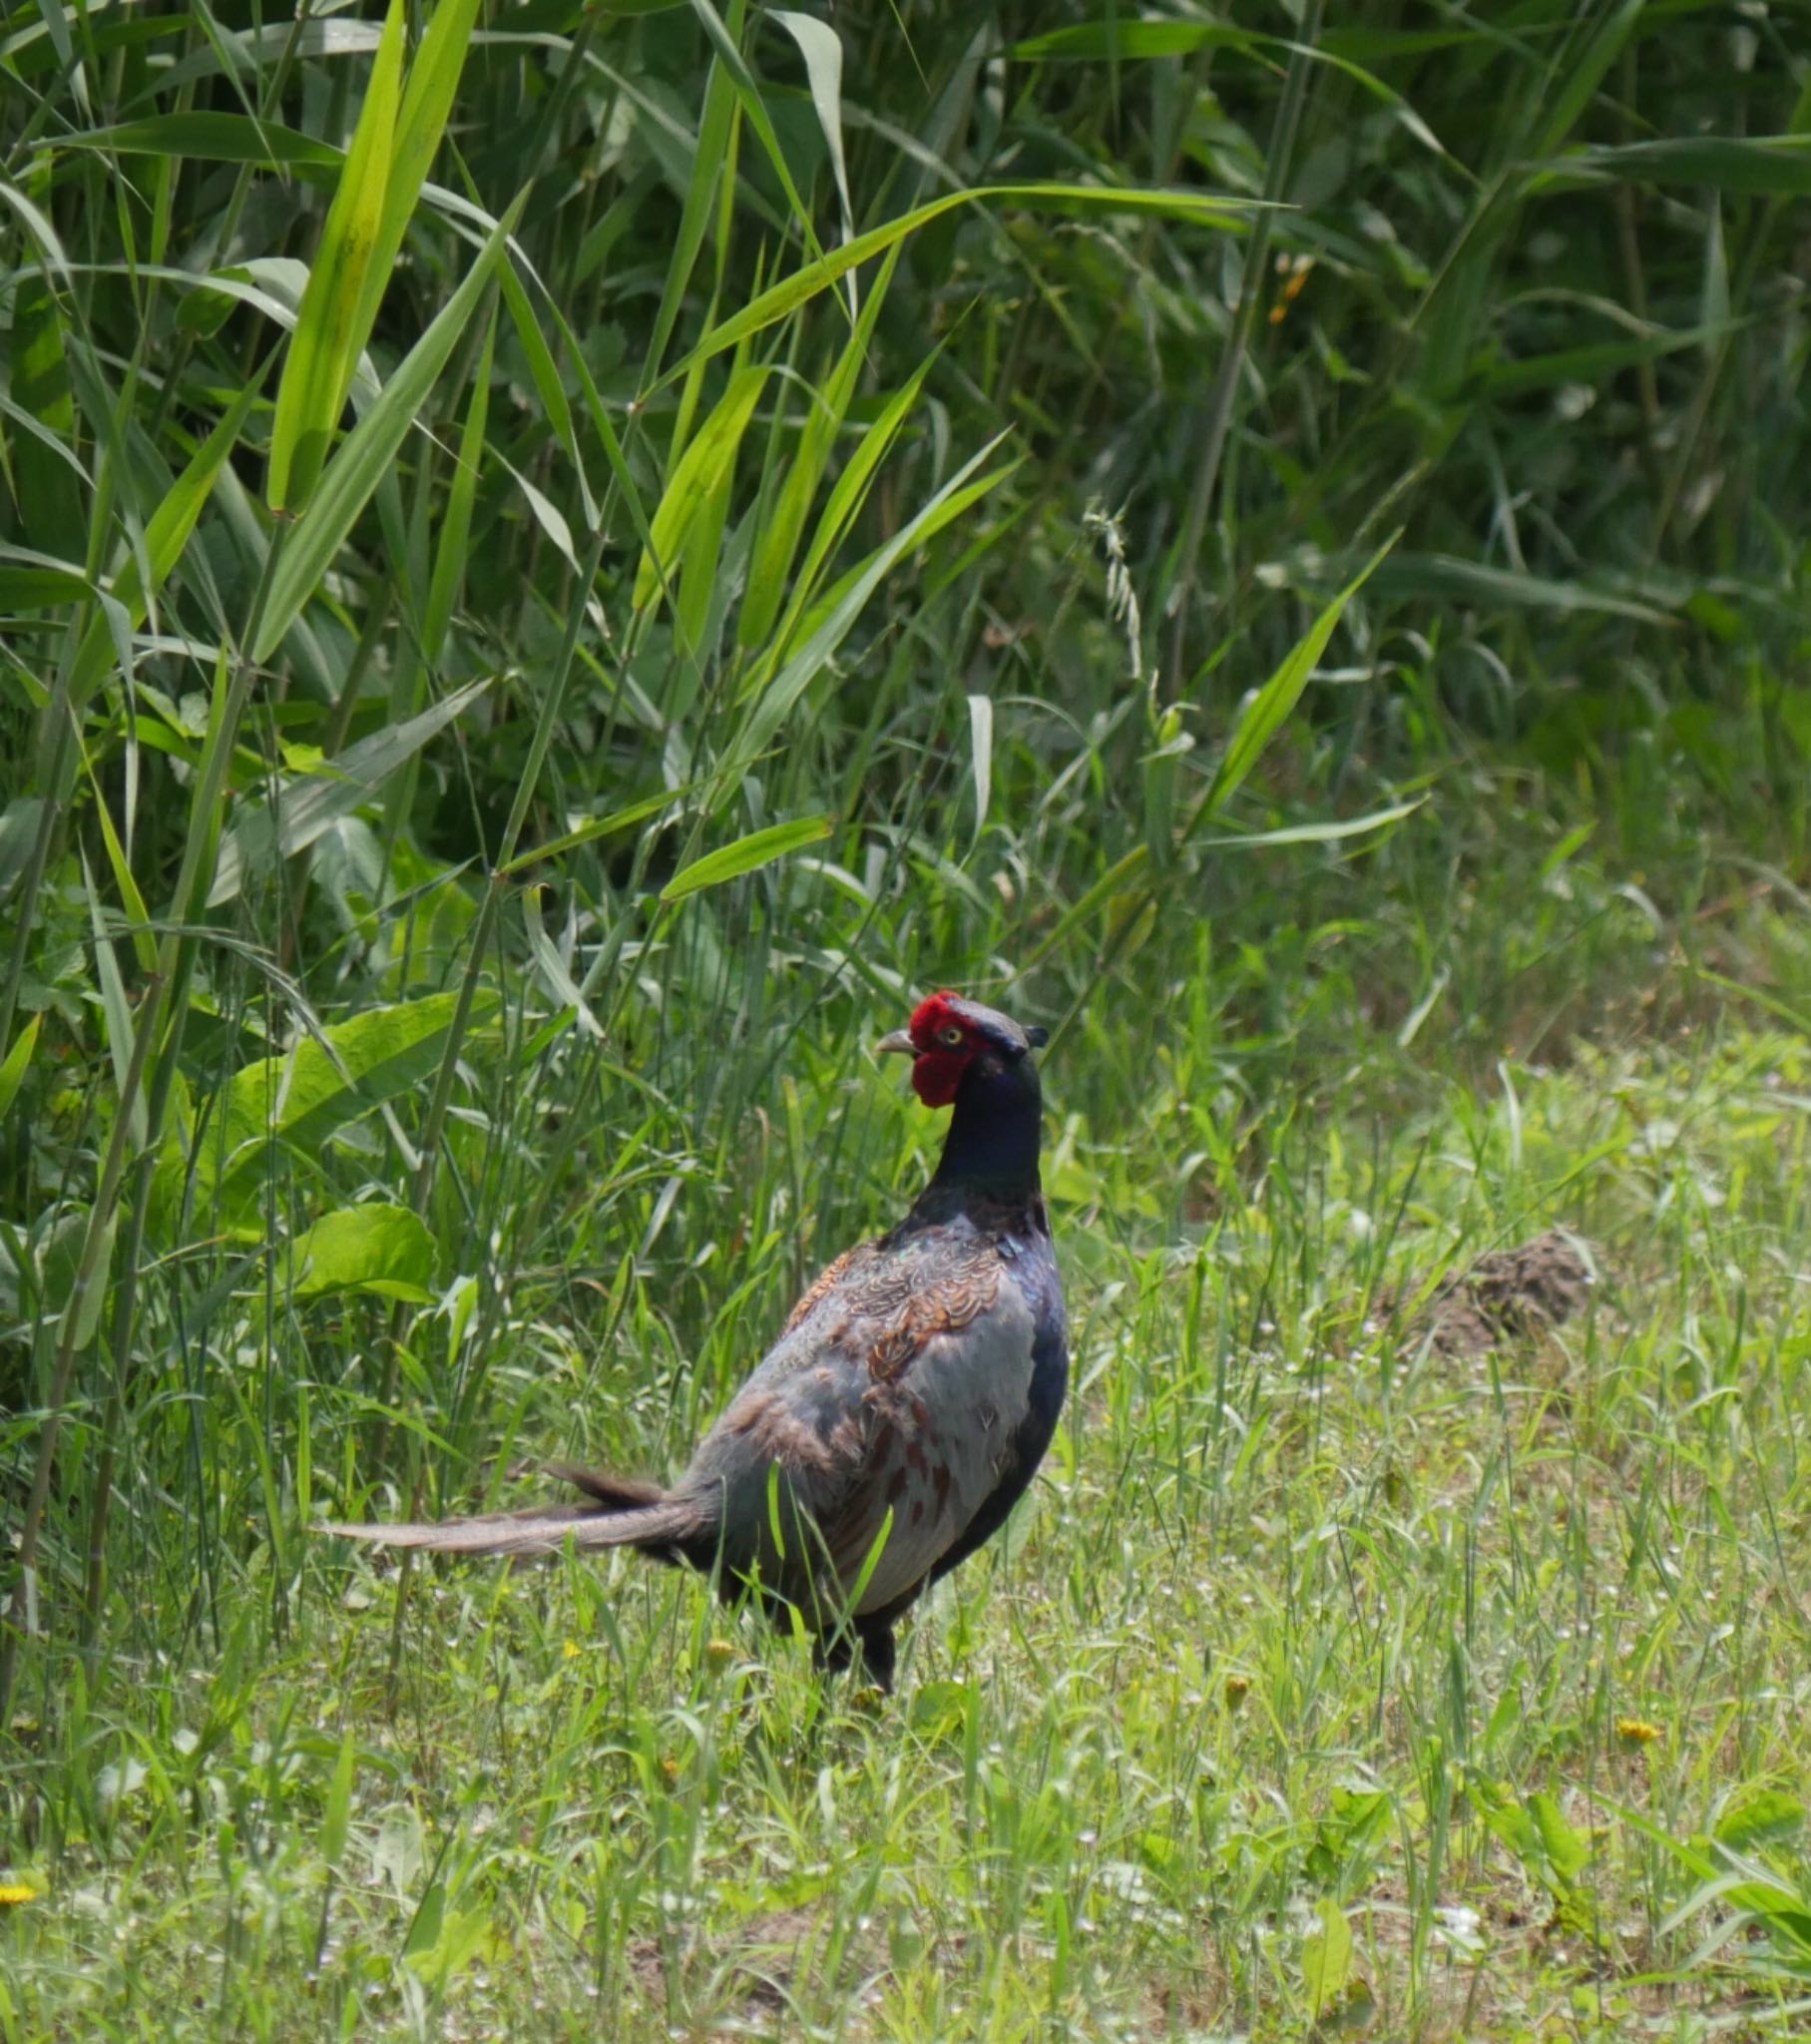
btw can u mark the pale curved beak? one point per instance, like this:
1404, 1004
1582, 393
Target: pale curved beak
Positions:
900, 1040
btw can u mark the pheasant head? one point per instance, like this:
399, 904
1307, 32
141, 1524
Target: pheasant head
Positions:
978, 1061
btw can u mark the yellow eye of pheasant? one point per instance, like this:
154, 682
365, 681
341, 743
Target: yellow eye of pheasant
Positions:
950, 1034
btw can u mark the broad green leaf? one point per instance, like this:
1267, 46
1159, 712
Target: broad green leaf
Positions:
942, 1710
1513, 1825
210, 137
20, 822
1781, 1912
18, 1061
460, 1936
370, 447
1328, 1957
597, 826
1761, 1817
758, 848
301, 1096
1567, 1850
36, 578
380, 1250
309, 803
1775, 166
49, 507
270, 285
36, 588
424, 1925
326, 345
46, 442
37, 226
39, 579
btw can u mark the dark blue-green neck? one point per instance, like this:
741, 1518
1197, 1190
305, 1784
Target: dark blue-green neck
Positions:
995, 1132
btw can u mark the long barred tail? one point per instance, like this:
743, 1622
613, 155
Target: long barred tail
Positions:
618, 1513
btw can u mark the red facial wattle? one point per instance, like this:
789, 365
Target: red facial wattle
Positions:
936, 1074
938, 1068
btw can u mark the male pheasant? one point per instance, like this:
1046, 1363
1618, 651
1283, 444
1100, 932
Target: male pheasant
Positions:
900, 1415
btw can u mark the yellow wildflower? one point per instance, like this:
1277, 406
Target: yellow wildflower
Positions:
1636, 1730
14, 1893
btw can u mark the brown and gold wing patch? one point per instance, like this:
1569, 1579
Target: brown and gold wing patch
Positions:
943, 1307
892, 1299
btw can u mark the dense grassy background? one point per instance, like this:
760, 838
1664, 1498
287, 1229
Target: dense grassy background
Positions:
1282, 560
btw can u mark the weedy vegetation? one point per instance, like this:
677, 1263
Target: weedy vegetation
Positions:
561, 563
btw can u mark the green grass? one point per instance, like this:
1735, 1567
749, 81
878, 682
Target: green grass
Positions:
1297, 1619
1334, 661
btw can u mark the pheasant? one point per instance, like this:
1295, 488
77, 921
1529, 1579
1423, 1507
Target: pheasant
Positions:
903, 1410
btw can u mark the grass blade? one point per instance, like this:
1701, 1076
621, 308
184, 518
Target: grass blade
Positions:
805, 284
331, 327
18, 1063
311, 803
746, 855
370, 447
699, 475
1270, 706
776, 544
427, 100
1771, 166
166, 535
821, 48
205, 136
844, 605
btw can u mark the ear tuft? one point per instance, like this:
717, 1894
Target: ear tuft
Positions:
1037, 1035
